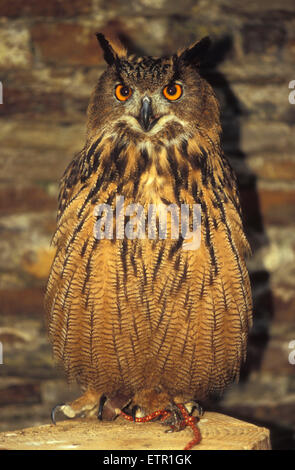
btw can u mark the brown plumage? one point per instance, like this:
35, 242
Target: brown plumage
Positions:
143, 318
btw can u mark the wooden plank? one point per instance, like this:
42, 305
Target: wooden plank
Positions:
218, 431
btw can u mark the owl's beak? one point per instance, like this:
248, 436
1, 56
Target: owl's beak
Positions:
146, 118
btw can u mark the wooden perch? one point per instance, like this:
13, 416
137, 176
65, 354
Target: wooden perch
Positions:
218, 431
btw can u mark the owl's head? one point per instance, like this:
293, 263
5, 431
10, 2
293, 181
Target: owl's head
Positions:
148, 98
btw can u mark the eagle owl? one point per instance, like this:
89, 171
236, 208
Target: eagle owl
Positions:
144, 322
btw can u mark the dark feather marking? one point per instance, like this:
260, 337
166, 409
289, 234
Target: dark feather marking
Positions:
213, 259
84, 247
64, 203
94, 244
202, 287
136, 179
96, 161
91, 333
94, 190
87, 164
188, 312
184, 171
119, 313
99, 182
160, 170
195, 161
144, 160
133, 263
91, 150
206, 223
185, 343
135, 329
166, 358
144, 272
162, 313
224, 296
66, 338
174, 169
71, 179
205, 166
175, 247
214, 327
195, 192
149, 317
165, 201
164, 288
117, 352
124, 251
183, 275
212, 179
158, 261
184, 149
177, 262
211, 277
88, 272
192, 363
132, 344
187, 295
164, 336
67, 313
118, 301
208, 239
217, 203
119, 157
77, 229
67, 290
87, 299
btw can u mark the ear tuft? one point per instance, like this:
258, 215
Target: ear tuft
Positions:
113, 49
195, 54
109, 53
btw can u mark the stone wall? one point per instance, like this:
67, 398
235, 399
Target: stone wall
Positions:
49, 63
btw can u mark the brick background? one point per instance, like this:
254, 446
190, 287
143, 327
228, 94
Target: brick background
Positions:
49, 63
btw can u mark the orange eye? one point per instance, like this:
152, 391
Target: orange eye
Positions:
172, 92
123, 92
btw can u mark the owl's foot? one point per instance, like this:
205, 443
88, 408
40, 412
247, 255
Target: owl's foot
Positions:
181, 418
92, 403
171, 415
177, 416
87, 404
178, 412
146, 402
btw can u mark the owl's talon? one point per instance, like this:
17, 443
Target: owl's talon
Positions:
194, 409
110, 408
53, 412
134, 410
102, 401
169, 430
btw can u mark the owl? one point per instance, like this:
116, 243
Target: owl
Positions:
147, 319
